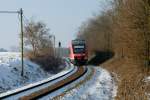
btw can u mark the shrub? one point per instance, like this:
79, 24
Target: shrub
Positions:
47, 61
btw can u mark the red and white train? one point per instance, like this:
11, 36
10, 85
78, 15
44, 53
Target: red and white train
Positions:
78, 52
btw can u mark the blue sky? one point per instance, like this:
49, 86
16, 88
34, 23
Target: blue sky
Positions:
63, 17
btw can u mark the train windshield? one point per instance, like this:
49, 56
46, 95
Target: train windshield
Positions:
79, 48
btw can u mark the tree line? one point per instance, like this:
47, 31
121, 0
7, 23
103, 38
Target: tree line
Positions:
123, 29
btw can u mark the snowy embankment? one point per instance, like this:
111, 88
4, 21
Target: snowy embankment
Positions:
10, 72
100, 87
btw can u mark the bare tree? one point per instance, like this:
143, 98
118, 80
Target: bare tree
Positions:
37, 37
98, 32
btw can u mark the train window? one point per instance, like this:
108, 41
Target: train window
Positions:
78, 46
79, 49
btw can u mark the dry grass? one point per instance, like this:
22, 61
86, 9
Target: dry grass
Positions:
131, 85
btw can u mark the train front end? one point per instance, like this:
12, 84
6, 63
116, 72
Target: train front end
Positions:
78, 52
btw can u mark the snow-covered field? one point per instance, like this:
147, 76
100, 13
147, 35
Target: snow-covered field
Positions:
10, 72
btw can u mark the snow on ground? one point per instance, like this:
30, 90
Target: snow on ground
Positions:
147, 81
100, 87
69, 70
10, 72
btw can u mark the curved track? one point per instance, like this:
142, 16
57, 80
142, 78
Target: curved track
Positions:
47, 86
39, 94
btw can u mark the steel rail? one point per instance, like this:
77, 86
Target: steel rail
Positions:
41, 93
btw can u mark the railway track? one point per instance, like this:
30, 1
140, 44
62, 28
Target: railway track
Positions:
46, 87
